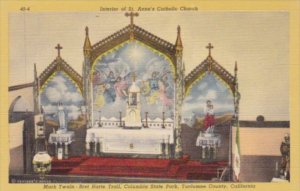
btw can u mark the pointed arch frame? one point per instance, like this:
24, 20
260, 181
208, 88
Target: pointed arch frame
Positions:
210, 65
139, 34
60, 65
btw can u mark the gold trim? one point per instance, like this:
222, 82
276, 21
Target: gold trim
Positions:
209, 65
60, 65
141, 35
42, 88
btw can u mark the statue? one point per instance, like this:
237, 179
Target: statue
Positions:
209, 120
61, 118
285, 160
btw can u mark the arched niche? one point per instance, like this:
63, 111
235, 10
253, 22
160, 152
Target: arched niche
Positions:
61, 88
113, 72
209, 81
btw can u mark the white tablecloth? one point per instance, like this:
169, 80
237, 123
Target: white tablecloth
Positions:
138, 141
66, 137
208, 141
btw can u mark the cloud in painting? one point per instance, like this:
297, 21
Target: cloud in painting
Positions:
123, 61
61, 89
209, 88
53, 94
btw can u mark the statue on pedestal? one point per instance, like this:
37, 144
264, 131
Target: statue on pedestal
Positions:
209, 120
61, 118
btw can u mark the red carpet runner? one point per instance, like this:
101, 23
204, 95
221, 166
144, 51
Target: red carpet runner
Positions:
137, 167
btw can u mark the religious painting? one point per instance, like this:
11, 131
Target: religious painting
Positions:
209, 96
61, 89
114, 71
142, 101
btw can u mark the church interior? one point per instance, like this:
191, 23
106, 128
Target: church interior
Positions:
135, 112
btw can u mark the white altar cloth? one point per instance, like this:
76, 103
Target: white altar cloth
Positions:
130, 141
204, 141
65, 137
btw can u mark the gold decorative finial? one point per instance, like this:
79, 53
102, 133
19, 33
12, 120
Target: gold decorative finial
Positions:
58, 47
178, 42
87, 31
87, 47
209, 47
35, 70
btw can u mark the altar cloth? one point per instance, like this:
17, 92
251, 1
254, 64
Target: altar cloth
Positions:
131, 141
211, 141
65, 137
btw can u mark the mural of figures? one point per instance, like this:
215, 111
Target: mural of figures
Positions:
207, 103
113, 73
60, 89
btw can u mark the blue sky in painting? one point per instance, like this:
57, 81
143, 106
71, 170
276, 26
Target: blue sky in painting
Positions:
208, 88
134, 57
60, 88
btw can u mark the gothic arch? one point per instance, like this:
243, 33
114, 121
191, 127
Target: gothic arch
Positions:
210, 65
60, 65
133, 32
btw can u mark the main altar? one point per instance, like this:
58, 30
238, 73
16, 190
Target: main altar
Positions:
131, 135
133, 85
134, 102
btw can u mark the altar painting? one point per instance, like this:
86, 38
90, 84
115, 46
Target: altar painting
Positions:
208, 91
113, 73
60, 89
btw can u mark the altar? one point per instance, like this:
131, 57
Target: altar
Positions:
208, 144
131, 134
130, 141
62, 138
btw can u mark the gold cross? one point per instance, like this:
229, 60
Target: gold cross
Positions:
209, 47
131, 15
58, 47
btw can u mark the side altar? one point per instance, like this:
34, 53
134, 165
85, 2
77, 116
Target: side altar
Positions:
62, 138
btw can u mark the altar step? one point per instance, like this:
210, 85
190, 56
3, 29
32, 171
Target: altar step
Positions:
129, 167
122, 167
64, 166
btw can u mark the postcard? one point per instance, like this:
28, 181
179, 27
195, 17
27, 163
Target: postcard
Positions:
169, 95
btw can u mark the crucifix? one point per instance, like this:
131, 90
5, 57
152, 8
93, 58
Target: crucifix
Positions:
209, 47
58, 47
131, 15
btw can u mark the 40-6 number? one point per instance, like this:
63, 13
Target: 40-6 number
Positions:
25, 9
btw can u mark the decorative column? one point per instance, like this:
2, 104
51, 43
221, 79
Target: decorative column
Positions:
180, 90
36, 93
86, 76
